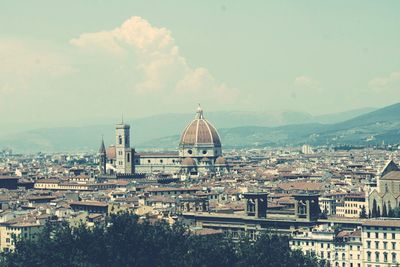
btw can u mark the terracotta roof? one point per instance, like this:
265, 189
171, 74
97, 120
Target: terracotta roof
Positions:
111, 154
89, 203
383, 223
166, 189
301, 185
206, 231
356, 233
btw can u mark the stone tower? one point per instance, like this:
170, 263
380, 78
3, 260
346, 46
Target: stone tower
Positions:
306, 207
102, 158
256, 204
124, 160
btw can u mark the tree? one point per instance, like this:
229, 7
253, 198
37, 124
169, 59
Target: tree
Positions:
395, 213
363, 213
384, 210
374, 212
125, 241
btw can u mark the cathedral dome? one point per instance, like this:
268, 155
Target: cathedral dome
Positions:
188, 162
200, 132
220, 161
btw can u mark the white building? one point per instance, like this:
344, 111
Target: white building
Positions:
381, 242
375, 244
342, 248
306, 150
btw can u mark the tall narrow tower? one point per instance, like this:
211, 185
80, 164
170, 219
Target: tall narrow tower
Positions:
102, 158
123, 150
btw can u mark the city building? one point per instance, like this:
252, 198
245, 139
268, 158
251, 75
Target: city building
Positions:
381, 245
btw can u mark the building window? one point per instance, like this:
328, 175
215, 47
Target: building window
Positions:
368, 255
190, 151
393, 245
120, 140
377, 256
394, 257
385, 257
128, 157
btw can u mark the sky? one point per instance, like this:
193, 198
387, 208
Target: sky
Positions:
71, 61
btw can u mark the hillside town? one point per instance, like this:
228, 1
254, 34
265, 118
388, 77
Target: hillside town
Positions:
337, 203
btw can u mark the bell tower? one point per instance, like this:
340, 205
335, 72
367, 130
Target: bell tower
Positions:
124, 161
102, 158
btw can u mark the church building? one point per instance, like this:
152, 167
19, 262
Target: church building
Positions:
386, 196
199, 153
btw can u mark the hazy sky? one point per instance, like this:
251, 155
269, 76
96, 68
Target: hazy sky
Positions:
82, 60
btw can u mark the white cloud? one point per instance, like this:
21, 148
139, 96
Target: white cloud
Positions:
306, 83
384, 82
156, 58
22, 65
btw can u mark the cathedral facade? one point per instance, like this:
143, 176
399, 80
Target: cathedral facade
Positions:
386, 196
199, 153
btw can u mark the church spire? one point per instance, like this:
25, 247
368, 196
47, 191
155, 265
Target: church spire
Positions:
102, 149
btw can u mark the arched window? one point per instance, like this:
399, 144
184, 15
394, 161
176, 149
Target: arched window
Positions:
128, 157
120, 139
376, 256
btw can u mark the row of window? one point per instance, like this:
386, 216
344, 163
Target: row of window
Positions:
384, 235
385, 256
322, 245
352, 205
385, 245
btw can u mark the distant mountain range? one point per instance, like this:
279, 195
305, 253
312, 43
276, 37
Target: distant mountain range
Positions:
370, 128
237, 129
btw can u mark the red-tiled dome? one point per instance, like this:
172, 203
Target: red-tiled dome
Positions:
199, 132
188, 162
220, 161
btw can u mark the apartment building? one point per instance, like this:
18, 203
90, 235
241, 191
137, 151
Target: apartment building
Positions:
17, 229
381, 242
